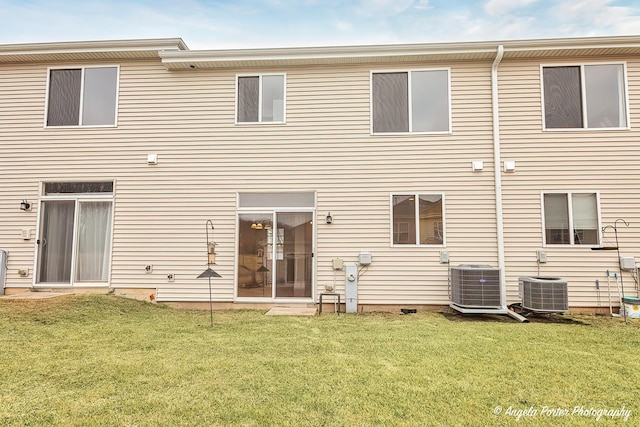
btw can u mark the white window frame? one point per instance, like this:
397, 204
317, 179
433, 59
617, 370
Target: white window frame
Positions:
77, 198
571, 243
83, 68
260, 121
409, 98
583, 90
417, 195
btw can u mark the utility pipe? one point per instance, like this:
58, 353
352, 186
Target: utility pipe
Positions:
498, 174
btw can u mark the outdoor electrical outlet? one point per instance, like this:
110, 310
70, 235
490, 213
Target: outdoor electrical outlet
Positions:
23, 272
148, 268
171, 277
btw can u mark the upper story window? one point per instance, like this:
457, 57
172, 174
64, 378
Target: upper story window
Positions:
410, 101
585, 97
571, 219
261, 99
85, 96
417, 223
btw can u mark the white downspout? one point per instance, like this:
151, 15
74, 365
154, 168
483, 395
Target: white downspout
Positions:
498, 174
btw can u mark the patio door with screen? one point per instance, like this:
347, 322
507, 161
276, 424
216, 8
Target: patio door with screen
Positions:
275, 246
74, 238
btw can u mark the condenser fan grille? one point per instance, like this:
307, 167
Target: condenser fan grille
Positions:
475, 286
547, 294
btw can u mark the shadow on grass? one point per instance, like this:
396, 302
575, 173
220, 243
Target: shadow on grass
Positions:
531, 317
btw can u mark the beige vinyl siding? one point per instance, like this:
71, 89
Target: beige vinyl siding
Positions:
204, 159
21, 110
584, 160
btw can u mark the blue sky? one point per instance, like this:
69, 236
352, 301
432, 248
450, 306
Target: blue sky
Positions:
208, 24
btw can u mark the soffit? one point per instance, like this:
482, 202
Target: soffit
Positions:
298, 57
176, 56
595, 50
384, 54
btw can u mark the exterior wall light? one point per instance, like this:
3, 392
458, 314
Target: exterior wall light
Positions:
329, 218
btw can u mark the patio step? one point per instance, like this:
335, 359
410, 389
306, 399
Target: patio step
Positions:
292, 310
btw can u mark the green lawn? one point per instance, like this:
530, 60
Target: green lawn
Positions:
104, 360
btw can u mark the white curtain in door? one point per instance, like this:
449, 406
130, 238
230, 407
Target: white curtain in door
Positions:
94, 241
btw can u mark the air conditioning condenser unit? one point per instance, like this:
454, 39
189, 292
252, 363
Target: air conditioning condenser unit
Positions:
475, 286
544, 294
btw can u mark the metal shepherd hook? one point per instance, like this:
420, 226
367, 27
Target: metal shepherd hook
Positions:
209, 273
615, 232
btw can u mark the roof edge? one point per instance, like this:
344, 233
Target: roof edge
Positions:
362, 53
175, 54
27, 50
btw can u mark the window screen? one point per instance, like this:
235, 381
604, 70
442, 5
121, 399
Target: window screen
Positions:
562, 97
589, 96
390, 102
261, 99
248, 96
415, 101
83, 96
64, 98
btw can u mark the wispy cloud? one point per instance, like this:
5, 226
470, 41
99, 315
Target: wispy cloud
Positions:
503, 7
596, 17
382, 8
213, 24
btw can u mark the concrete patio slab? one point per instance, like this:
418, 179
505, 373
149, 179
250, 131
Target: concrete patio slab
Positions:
36, 295
291, 310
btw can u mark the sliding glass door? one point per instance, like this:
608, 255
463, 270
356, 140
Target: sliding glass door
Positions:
74, 238
275, 255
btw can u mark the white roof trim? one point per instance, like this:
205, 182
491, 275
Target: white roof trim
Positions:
106, 49
388, 53
175, 55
